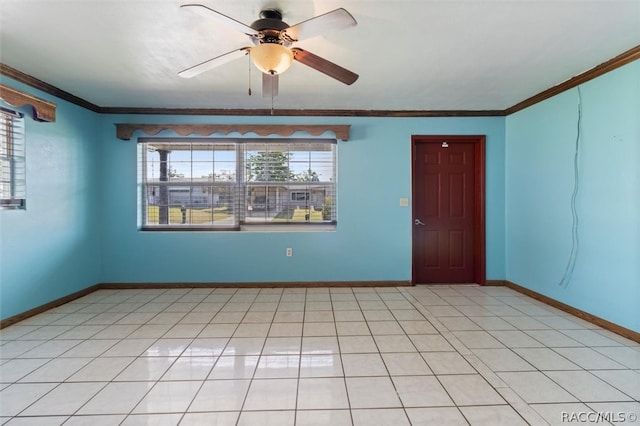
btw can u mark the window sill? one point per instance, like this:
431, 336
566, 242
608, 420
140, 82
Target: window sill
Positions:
263, 228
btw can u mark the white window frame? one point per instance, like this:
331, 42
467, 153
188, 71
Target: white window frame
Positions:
12, 160
240, 199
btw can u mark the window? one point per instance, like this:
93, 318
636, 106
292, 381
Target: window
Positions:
12, 160
231, 184
299, 196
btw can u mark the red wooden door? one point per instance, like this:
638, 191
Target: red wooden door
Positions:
445, 211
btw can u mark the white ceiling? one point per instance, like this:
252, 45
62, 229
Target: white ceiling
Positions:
410, 54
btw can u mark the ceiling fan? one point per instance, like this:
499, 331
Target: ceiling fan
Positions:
272, 39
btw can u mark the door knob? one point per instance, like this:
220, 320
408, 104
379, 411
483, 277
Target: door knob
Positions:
418, 222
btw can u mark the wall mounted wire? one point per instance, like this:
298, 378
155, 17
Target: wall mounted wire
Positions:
573, 255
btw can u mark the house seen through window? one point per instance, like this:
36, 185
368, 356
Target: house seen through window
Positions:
234, 184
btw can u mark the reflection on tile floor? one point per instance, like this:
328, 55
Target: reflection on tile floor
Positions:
428, 355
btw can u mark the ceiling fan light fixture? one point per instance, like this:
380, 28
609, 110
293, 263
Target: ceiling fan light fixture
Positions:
271, 58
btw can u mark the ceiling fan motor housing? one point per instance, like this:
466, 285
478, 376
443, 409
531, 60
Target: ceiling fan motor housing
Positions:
270, 25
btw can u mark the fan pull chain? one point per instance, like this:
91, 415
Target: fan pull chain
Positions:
272, 88
249, 76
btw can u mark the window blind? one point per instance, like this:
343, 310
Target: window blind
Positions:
289, 182
12, 160
192, 184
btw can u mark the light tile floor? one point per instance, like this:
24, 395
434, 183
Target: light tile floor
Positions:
428, 355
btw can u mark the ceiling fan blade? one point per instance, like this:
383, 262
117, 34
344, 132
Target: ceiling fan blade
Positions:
320, 64
210, 13
270, 83
338, 19
213, 63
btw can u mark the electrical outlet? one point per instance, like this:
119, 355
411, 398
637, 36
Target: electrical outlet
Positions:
289, 252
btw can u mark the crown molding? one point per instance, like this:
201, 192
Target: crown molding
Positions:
302, 112
46, 87
610, 65
620, 60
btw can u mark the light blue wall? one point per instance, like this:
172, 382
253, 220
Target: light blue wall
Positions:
52, 248
373, 236
539, 183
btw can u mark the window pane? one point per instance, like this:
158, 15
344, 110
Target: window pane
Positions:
225, 171
203, 158
268, 163
294, 172
225, 164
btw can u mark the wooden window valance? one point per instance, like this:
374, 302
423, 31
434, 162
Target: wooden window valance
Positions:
125, 131
42, 110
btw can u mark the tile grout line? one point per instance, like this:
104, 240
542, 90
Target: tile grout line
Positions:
304, 318
186, 410
344, 374
131, 411
439, 328
483, 370
251, 380
60, 384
